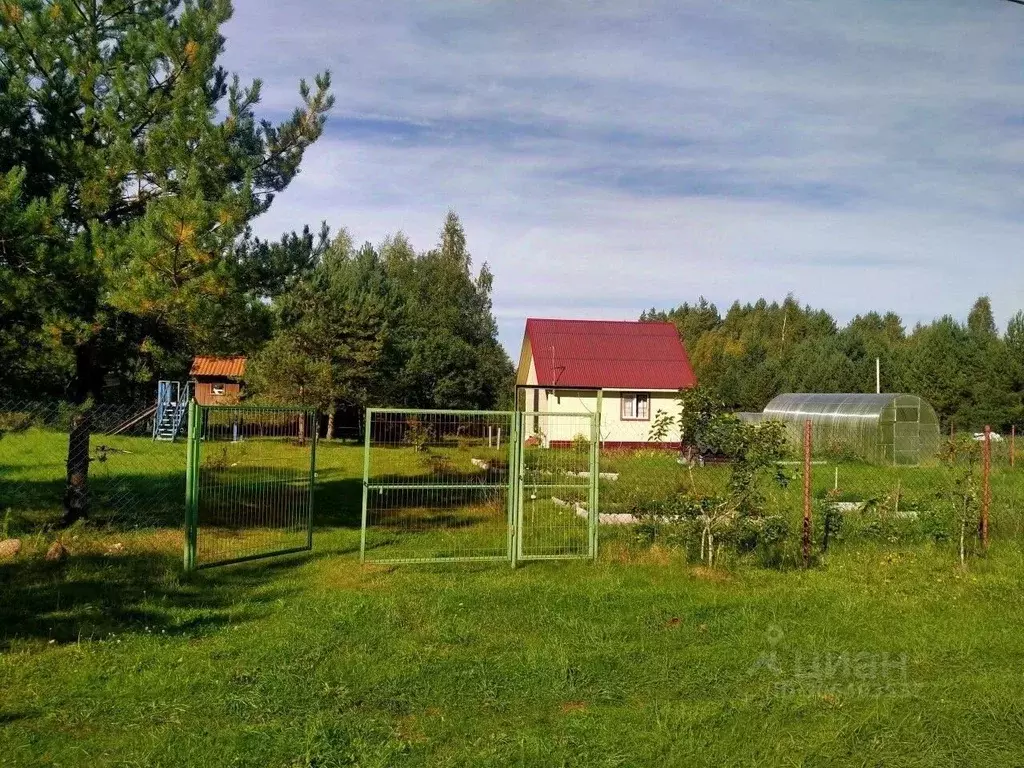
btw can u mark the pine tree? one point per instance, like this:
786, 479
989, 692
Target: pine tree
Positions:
155, 161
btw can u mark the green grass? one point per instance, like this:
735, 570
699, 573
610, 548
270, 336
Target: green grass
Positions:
886, 653
637, 660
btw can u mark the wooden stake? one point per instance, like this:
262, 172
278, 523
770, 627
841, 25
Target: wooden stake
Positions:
807, 494
986, 486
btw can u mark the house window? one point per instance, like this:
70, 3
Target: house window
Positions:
636, 406
218, 389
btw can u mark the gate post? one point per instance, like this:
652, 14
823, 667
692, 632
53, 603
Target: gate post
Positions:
314, 419
595, 480
514, 446
191, 486
598, 418
367, 426
520, 471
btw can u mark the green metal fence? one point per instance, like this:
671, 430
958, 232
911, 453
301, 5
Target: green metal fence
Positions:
249, 483
443, 486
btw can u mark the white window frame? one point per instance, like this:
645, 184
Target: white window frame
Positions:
635, 406
217, 390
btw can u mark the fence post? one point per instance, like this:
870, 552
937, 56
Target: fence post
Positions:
597, 469
367, 429
592, 513
519, 485
986, 485
807, 494
515, 445
191, 486
315, 420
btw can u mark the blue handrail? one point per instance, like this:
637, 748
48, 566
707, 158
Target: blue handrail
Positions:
181, 408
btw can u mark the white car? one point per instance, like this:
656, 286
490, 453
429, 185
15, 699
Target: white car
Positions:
994, 436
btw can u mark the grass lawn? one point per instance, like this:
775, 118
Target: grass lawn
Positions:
887, 653
876, 658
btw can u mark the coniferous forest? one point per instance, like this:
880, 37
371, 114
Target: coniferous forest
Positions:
972, 373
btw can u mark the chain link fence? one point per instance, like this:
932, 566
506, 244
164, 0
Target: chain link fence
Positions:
964, 497
970, 490
60, 462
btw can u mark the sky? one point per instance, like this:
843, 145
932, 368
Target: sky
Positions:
608, 157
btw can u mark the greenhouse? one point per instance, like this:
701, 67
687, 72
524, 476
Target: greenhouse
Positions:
885, 429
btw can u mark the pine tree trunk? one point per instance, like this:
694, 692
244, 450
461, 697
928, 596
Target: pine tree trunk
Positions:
330, 423
76, 490
302, 427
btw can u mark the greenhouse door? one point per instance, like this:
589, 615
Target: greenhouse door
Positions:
907, 435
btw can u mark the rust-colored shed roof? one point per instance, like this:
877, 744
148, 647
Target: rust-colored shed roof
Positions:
225, 367
608, 354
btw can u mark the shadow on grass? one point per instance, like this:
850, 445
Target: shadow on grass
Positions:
91, 596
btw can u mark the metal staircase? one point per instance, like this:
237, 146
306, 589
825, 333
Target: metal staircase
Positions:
171, 407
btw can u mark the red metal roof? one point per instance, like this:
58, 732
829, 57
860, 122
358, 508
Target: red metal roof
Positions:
225, 367
614, 354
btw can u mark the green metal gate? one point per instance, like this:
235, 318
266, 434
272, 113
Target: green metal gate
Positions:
249, 483
457, 486
558, 483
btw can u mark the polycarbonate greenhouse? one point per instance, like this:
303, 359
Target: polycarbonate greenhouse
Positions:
885, 429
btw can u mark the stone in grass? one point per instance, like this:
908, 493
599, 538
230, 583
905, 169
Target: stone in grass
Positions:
57, 552
9, 548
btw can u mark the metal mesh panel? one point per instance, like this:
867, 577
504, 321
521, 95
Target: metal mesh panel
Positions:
98, 463
557, 500
253, 482
436, 486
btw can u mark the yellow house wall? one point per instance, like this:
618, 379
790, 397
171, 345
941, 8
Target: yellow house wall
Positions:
555, 423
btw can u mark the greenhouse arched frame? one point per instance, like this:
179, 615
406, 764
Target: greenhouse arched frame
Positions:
880, 428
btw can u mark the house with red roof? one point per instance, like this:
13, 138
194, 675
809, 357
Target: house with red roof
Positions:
626, 369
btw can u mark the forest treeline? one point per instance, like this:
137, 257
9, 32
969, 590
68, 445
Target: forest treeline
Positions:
971, 372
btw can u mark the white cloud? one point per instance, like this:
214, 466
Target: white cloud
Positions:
606, 157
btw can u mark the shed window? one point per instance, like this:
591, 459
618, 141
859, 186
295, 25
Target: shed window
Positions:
636, 406
218, 389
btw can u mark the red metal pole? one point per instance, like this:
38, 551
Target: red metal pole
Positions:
986, 486
807, 494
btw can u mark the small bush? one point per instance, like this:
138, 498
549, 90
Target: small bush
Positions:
417, 434
580, 443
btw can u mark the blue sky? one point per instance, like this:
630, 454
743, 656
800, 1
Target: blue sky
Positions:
606, 157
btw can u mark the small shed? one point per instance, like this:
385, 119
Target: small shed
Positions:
218, 380
883, 428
